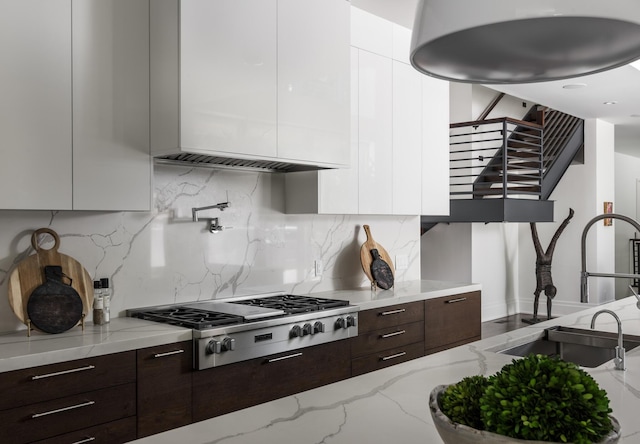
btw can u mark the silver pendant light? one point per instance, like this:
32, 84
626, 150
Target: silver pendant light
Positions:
518, 41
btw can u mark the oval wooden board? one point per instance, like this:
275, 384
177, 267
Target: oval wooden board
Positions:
365, 254
29, 274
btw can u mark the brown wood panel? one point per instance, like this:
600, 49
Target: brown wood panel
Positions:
386, 358
68, 378
224, 389
116, 432
316, 366
431, 351
386, 338
236, 386
164, 387
67, 414
452, 320
390, 316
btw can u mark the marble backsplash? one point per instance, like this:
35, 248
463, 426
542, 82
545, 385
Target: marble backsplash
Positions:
163, 257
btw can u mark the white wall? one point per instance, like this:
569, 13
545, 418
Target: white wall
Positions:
627, 179
583, 188
162, 257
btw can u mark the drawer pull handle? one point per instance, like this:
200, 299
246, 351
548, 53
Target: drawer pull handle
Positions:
282, 358
63, 409
453, 301
82, 441
393, 312
64, 372
171, 353
395, 333
397, 355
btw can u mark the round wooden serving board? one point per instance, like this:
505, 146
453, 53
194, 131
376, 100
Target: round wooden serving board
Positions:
29, 274
365, 254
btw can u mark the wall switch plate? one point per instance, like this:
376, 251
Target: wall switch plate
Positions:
402, 262
318, 268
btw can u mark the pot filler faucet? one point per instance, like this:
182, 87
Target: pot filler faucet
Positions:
584, 275
220, 206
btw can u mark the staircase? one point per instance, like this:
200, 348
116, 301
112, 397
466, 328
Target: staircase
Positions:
505, 169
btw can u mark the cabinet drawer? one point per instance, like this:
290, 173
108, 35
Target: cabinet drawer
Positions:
37, 384
390, 316
452, 320
38, 421
386, 338
115, 432
387, 358
164, 387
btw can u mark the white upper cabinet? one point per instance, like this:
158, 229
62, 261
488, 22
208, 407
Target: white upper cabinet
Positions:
371, 33
111, 159
251, 79
313, 80
435, 146
399, 134
375, 134
74, 109
228, 66
407, 139
35, 104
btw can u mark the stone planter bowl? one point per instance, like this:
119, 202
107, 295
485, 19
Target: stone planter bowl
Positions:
454, 433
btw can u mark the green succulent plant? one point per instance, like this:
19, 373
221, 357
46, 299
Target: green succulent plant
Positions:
534, 398
461, 401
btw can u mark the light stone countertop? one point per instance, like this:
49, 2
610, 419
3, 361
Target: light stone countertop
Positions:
401, 292
18, 351
391, 405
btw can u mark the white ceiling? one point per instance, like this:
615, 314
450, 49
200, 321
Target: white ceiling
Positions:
621, 85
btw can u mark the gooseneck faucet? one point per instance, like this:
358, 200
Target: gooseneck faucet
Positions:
584, 275
619, 359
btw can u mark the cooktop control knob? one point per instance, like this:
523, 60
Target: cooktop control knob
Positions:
213, 347
318, 327
295, 332
351, 321
307, 329
228, 344
341, 323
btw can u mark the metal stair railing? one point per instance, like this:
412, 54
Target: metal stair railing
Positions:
481, 167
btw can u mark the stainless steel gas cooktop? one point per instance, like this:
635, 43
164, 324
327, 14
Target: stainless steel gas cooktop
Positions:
236, 329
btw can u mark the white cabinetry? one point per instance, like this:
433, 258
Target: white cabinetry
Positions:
111, 159
399, 132
35, 104
375, 135
74, 108
251, 79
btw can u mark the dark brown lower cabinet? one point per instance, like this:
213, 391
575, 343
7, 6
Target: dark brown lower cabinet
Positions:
227, 388
451, 321
164, 387
121, 431
47, 419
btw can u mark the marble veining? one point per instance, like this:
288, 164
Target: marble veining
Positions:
163, 257
391, 405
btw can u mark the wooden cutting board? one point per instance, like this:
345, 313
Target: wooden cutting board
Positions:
29, 274
365, 254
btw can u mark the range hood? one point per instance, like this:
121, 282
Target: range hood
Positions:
207, 161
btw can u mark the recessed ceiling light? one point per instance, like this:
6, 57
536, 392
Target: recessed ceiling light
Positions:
612, 102
636, 65
574, 86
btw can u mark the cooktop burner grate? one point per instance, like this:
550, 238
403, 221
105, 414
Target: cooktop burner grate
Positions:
188, 317
292, 304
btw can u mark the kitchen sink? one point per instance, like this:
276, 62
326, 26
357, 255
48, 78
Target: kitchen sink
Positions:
586, 348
